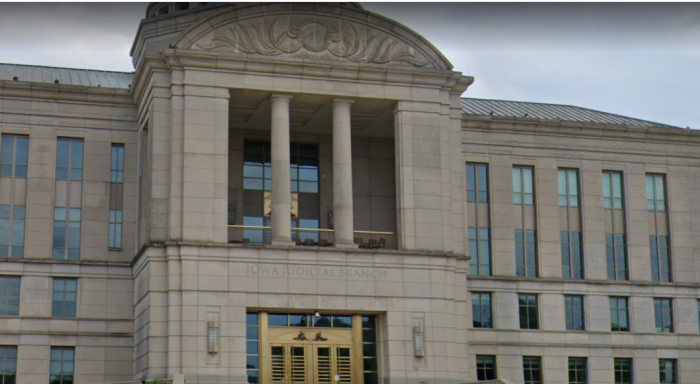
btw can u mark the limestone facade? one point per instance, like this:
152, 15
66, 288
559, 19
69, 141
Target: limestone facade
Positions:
382, 106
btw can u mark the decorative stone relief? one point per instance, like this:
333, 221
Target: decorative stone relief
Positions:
312, 37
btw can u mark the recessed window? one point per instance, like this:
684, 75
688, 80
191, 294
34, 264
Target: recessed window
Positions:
578, 370
8, 364
477, 183
619, 314
14, 156
663, 314
668, 373
523, 190
568, 188
62, 365
66, 233
623, 371
656, 193
660, 258
9, 295
69, 159
486, 368
525, 253
480, 251
117, 164
482, 312
65, 297
574, 313
527, 308
612, 190
571, 255
252, 347
369, 349
532, 370
616, 252
115, 228
12, 231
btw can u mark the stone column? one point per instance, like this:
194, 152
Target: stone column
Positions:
281, 185
342, 175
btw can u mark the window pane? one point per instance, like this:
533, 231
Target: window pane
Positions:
517, 182
8, 144
76, 160
527, 180
277, 320
22, 151
62, 153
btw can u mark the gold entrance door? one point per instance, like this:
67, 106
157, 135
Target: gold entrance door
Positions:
310, 356
311, 364
333, 364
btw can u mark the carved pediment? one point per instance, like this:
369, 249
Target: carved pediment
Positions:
312, 37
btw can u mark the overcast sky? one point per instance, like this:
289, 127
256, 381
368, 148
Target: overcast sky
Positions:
638, 60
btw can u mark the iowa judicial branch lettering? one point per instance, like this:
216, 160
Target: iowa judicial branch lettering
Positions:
276, 270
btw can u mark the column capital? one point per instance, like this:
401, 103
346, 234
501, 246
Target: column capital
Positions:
281, 96
340, 100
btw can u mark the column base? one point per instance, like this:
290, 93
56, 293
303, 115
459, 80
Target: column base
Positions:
282, 243
344, 244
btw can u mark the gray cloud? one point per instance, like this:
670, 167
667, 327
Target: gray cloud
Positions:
639, 60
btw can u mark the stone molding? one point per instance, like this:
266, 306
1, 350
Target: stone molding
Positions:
325, 32
313, 37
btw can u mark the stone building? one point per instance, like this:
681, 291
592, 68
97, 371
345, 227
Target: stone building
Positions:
297, 193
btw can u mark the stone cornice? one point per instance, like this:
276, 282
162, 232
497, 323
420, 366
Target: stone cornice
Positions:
292, 67
64, 92
226, 246
589, 130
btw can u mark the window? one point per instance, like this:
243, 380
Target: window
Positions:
69, 159
612, 190
619, 314
660, 259
486, 368
479, 231
117, 167
65, 297
532, 370
12, 231
656, 200
525, 253
481, 310
369, 349
115, 228
616, 252
568, 188
9, 296
523, 191
578, 370
304, 184
66, 233
527, 305
571, 255
623, 371
480, 251
663, 313
14, 155
62, 361
667, 371
252, 348
574, 313
477, 183
8, 365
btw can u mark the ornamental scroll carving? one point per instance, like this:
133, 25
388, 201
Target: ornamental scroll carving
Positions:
313, 37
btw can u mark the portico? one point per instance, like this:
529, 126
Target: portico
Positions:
314, 165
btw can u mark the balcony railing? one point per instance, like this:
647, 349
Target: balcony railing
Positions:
310, 237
